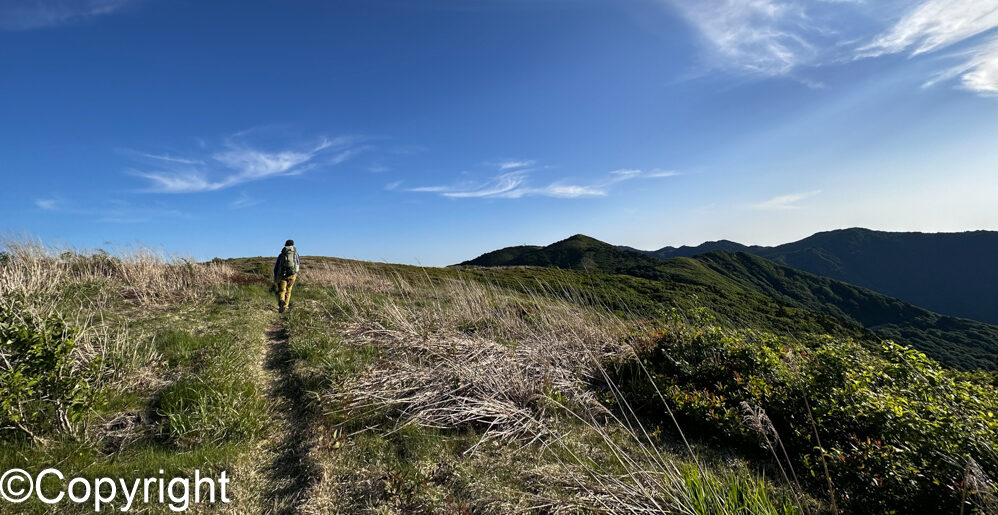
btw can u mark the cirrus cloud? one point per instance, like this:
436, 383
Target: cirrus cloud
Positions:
516, 184
787, 38
237, 161
784, 202
34, 14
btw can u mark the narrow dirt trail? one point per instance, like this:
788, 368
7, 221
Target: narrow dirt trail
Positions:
292, 471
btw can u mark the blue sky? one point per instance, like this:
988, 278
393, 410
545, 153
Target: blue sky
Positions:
431, 131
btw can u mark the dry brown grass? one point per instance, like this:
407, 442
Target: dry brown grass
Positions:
458, 353
39, 282
31, 270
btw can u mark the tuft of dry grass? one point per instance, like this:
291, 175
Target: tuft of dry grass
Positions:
31, 270
459, 353
38, 282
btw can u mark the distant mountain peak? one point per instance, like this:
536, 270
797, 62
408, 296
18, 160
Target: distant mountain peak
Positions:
951, 273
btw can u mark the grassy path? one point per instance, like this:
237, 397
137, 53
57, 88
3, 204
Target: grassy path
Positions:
292, 472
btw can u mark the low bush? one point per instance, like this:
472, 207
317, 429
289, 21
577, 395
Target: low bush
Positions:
897, 430
46, 383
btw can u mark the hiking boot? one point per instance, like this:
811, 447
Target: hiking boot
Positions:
280, 308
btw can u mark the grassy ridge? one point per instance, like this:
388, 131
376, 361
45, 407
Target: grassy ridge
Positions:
396, 389
956, 270
752, 292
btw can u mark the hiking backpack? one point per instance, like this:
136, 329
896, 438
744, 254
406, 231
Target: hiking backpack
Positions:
289, 262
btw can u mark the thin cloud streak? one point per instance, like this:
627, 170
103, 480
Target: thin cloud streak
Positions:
119, 211
511, 165
515, 185
244, 201
239, 162
780, 38
935, 24
35, 14
48, 204
784, 202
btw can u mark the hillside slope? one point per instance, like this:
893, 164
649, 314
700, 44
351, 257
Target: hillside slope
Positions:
952, 273
578, 252
952, 340
735, 283
401, 389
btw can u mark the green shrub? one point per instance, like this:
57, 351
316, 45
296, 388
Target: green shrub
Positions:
44, 385
897, 428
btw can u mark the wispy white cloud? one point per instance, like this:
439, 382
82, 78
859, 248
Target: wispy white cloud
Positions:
48, 204
109, 211
431, 189
978, 72
981, 72
393, 185
763, 37
238, 162
624, 174
513, 165
506, 185
784, 202
572, 191
935, 24
170, 159
658, 174
33, 14
244, 201
786, 38
516, 184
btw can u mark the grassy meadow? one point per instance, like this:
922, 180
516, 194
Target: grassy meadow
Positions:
400, 389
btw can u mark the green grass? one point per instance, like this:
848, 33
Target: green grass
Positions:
188, 367
375, 464
214, 395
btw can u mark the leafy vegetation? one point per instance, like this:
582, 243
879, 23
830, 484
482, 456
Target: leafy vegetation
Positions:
46, 383
391, 388
896, 430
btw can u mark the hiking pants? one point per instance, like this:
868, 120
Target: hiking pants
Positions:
284, 286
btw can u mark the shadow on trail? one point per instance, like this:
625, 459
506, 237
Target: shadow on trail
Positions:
293, 472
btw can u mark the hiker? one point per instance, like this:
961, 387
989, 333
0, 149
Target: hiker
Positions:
285, 271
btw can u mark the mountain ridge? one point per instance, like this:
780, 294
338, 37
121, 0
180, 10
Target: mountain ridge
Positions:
953, 273
957, 341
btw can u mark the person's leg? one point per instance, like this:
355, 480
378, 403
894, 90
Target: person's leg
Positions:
291, 284
282, 287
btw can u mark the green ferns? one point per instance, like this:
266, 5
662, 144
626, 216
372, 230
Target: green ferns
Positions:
897, 429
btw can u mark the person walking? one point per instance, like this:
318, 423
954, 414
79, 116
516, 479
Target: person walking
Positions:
285, 272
